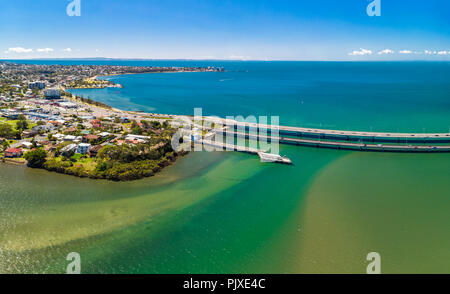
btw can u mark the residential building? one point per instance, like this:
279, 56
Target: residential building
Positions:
38, 85
69, 138
83, 148
52, 94
69, 150
13, 152
89, 138
104, 134
93, 151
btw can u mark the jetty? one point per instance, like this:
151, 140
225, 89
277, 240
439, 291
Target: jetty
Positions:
265, 157
229, 147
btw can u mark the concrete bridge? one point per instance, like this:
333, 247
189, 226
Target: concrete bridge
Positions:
339, 145
356, 136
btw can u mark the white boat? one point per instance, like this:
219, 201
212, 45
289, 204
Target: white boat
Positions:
268, 157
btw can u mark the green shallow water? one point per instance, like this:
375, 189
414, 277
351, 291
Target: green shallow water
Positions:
227, 212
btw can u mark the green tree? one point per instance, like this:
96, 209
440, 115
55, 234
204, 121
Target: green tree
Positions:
6, 131
36, 158
5, 145
22, 124
156, 124
136, 131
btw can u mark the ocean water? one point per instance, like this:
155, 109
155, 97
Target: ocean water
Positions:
222, 212
409, 96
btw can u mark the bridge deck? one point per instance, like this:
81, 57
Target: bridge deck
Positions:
344, 145
337, 133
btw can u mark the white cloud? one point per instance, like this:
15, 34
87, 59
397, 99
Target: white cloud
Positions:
405, 52
46, 50
443, 52
361, 52
67, 50
18, 50
386, 51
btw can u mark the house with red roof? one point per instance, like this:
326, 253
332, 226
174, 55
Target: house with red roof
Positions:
13, 152
90, 138
96, 123
94, 150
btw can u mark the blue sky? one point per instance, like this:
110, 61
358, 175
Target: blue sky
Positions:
227, 29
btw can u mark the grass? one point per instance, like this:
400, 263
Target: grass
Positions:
87, 162
13, 123
77, 157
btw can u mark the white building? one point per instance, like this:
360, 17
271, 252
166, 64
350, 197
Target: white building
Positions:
83, 148
67, 104
104, 134
69, 138
138, 137
27, 144
59, 136
52, 94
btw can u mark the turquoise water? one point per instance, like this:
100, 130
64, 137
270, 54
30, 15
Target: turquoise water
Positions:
410, 96
229, 213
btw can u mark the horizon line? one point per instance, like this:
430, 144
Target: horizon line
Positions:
218, 59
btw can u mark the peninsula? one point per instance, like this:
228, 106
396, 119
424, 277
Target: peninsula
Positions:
45, 126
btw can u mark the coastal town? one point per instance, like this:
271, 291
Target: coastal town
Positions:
44, 126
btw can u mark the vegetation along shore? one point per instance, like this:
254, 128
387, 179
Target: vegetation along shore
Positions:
44, 126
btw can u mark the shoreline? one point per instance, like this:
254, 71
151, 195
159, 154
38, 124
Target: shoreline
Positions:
8, 161
304, 129
161, 166
13, 162
116, 85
